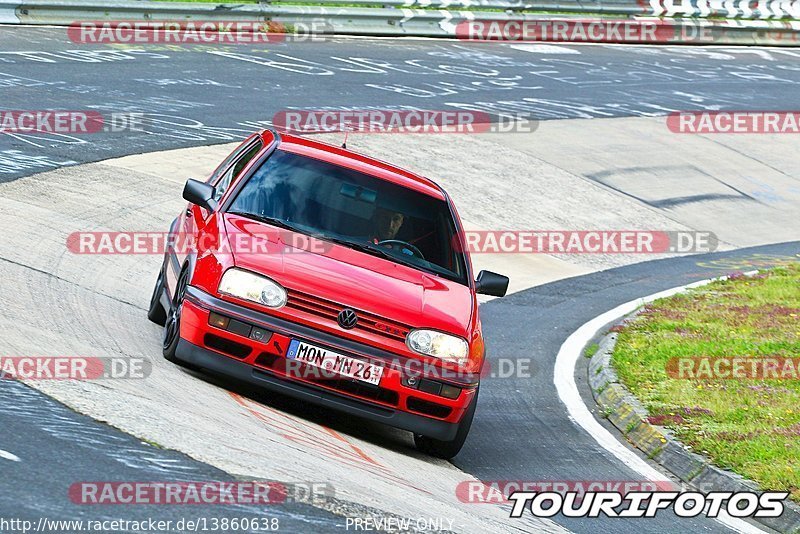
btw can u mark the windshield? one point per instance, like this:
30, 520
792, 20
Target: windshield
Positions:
354, 209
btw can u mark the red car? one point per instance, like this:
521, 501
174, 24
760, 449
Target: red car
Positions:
331, 277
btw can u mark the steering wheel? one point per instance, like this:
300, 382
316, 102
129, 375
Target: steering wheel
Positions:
403, 247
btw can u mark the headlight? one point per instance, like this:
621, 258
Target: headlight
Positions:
253, 287
439, 345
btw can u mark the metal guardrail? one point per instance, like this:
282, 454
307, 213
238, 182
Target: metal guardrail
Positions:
598, 8
741, 9
746, 21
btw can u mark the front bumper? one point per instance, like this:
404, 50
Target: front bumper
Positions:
259, 363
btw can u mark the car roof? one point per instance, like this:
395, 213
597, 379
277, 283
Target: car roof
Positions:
357, 162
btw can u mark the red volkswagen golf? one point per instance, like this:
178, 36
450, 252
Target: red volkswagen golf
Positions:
333, 278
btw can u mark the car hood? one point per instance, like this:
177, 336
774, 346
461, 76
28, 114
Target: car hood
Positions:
351, 278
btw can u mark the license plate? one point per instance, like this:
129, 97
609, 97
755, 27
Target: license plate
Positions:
333, 362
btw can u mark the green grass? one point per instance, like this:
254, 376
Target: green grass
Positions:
749, 426
591, 350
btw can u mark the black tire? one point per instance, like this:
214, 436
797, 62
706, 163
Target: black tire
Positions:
448, 449
172, 325
156, 313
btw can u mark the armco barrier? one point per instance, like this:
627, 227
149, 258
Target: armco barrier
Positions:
732, 22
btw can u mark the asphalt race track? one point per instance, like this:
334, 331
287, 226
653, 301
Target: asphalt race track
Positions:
193, 95
57, 447
198, 96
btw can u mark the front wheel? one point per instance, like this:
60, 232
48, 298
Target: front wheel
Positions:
172, 325
156, 311
448, 449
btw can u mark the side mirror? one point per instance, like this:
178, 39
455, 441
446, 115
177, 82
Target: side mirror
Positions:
489, 283
200, 193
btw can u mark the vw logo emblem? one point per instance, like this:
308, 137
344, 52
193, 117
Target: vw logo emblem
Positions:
347, 318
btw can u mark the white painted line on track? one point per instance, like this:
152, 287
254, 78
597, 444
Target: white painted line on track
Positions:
540, 48
8, 456
564, 380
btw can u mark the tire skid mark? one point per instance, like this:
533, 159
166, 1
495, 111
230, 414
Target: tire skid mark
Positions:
309, 436
357, 449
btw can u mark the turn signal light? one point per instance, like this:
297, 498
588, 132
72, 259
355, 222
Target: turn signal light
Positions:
215, 319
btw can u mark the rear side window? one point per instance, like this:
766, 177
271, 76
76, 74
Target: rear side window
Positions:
233, 166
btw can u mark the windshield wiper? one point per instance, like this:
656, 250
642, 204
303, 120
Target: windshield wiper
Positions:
274, 221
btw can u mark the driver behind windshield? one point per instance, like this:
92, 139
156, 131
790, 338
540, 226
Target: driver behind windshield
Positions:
386, 224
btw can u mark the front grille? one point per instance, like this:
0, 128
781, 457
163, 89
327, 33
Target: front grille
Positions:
428, 408
366, 391
232, 348
367, 322
265, 359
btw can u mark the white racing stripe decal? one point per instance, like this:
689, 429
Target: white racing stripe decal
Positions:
564, 380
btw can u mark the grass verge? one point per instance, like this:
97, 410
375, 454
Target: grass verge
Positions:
750, 426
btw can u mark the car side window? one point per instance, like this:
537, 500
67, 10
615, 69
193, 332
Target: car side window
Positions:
233, 169
226, 163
